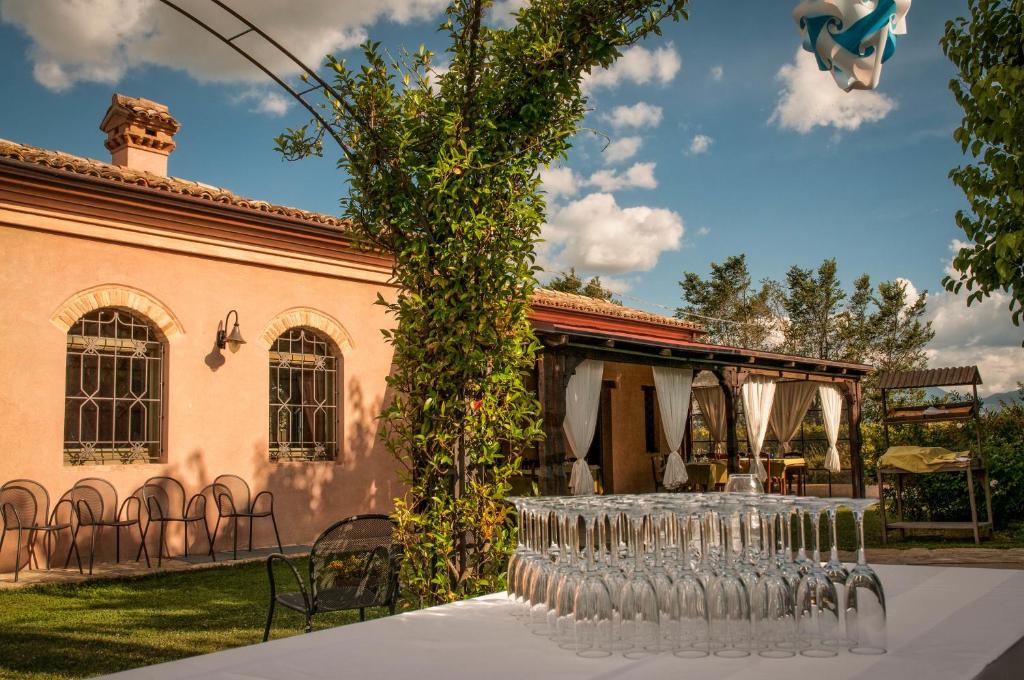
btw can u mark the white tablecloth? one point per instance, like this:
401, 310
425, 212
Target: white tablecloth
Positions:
943, 623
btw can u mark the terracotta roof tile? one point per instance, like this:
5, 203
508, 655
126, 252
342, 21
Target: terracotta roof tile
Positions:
77, 165
545, 297
145, 109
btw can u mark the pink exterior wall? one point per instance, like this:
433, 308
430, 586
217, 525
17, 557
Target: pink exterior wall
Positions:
216, 418
630, 463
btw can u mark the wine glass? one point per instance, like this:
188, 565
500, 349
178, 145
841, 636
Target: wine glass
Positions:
562, 589
692, 626
638, 600
771, 602
592, 605
816, 600
728, 599
748, 484
865, 597
835, 568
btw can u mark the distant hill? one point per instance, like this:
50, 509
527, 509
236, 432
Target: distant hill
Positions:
992, 401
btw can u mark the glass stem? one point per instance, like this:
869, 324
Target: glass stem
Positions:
834, 551
816, 525
858, 516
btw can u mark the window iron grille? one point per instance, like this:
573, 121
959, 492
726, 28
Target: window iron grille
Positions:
303, 397
113, 390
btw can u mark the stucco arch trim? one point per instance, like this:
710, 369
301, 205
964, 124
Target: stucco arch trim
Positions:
125, 297
310, 318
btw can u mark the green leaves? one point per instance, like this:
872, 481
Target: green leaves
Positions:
443, 174
988, 53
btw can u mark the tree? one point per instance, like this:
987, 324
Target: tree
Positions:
443, 173
988, 53
570, 282
813, 307
731, 309
898, 330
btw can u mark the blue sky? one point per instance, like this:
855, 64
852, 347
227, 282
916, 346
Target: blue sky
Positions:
753, 150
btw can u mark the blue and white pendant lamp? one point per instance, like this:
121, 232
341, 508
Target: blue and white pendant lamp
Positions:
852, 38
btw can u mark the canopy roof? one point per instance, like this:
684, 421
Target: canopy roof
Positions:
931, 377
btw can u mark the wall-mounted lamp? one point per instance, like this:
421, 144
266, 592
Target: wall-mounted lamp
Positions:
234, 339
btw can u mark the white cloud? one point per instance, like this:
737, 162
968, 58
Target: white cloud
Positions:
501, 11
638, 176
700, 144
638, 65
981, 335
596, 235
621, 149
810, 98
703, 231
100, 40
264, 101
717, 72
638, 115
559, 181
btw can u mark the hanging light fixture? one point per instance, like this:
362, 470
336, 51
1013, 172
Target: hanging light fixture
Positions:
852, 38
234, 338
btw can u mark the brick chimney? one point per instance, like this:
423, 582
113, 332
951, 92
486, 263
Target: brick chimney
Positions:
140, 134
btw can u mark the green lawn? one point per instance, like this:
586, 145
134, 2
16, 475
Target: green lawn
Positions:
87, 629
1011, 537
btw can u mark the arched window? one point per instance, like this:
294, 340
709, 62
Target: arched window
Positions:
303, 397
113, 396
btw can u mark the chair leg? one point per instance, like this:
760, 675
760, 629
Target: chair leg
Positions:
142, 542
206, 528
186, 541
78, 556
142, 547
250, 533
17, 557
270, 617
117, 545
160, 547
92, 547
276, 535
234, 539
213, 539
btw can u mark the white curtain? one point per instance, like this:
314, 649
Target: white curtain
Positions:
582, 400
758, 394
712, 406
792, 400
673, 388
831, 413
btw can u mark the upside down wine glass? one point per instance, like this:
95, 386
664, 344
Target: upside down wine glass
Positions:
592, 606
817, 607
865, 598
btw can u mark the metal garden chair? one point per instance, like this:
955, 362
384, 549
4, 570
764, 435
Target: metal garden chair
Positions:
95, 504
25, 508
353, 565
234, 500
164, 500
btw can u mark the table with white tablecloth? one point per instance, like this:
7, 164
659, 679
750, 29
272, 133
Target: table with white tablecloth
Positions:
944, 624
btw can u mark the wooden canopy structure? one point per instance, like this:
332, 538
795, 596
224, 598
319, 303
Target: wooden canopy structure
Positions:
573, 328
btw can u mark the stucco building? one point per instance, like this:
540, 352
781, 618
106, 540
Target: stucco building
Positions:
118, 279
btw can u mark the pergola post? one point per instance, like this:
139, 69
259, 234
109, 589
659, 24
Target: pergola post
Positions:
853, 418
555, 370
730, 379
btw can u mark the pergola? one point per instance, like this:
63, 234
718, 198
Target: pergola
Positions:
574, 328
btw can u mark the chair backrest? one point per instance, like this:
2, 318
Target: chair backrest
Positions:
355, 552
40, 495
95, 501
163, 498
238, 491
18, 506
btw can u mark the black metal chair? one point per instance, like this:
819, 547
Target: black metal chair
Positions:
25, 508
164, 500
234, 500
353, 565
95, 504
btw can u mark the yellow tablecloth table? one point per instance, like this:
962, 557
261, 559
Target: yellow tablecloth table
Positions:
707, 474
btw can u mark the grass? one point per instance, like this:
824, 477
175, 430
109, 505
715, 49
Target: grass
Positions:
1010, 537
104, 626
86, 629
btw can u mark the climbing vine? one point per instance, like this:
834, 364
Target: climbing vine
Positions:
443, 168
